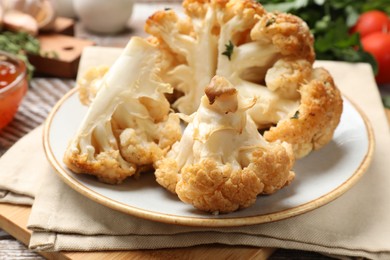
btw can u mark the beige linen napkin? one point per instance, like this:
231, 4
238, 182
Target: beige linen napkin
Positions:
356, 224
21, 169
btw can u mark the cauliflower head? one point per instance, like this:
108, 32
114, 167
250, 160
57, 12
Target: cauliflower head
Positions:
222, 163
267, 55
128, 124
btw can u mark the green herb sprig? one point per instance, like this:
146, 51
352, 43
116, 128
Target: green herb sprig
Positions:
229, 50
296, 115
270, 22
20, 44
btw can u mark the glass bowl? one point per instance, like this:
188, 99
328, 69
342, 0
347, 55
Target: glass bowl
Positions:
13, 86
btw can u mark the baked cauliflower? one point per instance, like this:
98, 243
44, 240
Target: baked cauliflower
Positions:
315, 119
230, 69
268, 55
128, 125
222, 163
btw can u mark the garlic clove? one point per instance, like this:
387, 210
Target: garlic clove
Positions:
14, 20
41, 10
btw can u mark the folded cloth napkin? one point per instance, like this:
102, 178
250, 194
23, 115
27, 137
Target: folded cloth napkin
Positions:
356, 224
21, 169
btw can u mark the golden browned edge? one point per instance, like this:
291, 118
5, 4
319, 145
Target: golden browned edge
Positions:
204, 222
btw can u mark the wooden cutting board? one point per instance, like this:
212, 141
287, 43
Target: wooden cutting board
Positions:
60, 55
13, 219
60, 51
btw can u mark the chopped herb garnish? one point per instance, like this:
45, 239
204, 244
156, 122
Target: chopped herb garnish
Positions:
229, 50
296, 115
167, 9
270, 22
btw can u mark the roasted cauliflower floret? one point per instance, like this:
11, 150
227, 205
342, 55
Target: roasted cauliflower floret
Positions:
315, 119
128, 125
222, 163
89, 83
286, 76
287, 32
268, 55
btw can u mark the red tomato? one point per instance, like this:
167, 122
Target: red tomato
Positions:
370, 22
378, 44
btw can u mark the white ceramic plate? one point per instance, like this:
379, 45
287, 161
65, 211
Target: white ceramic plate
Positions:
321, 177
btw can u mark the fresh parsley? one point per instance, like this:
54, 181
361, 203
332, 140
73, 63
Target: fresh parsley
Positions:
20, 44
229, 50
330, 22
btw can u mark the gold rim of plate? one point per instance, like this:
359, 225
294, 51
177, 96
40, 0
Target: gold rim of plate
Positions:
201, 221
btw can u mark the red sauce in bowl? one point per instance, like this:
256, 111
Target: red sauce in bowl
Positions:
13, 86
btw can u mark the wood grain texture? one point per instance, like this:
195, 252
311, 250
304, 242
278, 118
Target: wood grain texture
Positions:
13, 219
9, 247
12, 249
